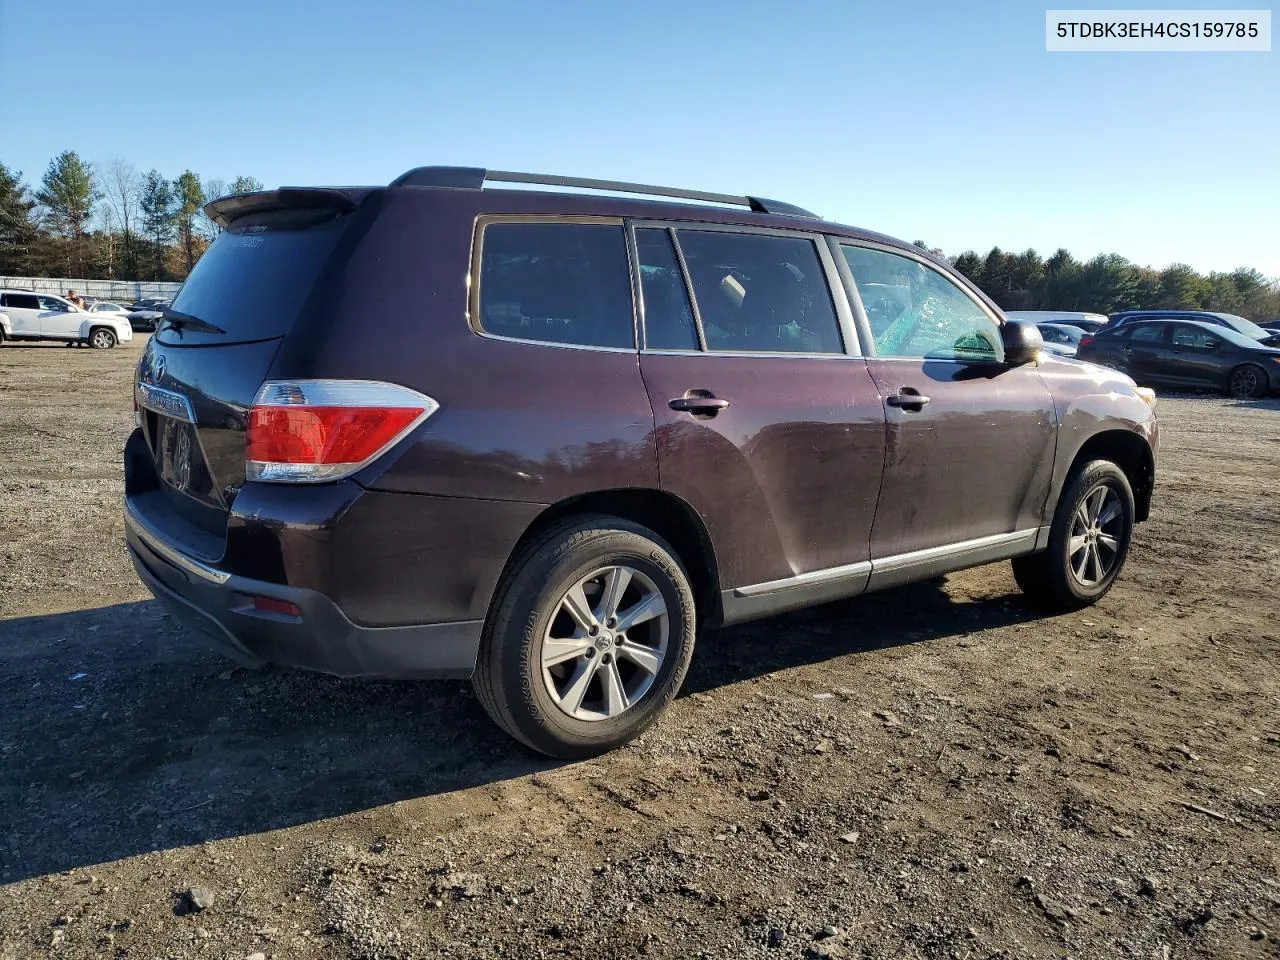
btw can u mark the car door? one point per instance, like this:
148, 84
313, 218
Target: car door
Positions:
23, 310
970, 438
1198, 356
1144, 352
58, 318
769, 426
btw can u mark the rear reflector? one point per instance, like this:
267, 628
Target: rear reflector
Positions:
309, 431
272, 605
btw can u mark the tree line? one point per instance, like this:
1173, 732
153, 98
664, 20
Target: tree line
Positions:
1109, 283
107, 221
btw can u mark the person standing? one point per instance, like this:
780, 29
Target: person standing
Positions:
75, 298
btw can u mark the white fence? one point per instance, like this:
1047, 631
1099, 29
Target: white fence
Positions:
125, 290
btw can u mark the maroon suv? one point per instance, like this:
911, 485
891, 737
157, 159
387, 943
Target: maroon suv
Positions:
540, 438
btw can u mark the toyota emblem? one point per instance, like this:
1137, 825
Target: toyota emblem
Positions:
158, 368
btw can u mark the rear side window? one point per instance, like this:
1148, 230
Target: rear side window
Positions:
252, 282
21, 301
556, 283
1148, 333
760, 293
668, 317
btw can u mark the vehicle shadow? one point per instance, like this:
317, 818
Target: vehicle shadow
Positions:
122, 734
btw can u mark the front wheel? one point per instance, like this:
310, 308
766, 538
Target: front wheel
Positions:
102, 339
1247, 382
588, 639
1088, 542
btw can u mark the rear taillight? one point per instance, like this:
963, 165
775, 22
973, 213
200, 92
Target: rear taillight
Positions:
309, 431
1085, 340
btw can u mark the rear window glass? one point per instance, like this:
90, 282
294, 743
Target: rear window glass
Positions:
556, 283
254, 279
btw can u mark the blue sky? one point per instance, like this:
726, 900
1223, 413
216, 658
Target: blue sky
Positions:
946, 122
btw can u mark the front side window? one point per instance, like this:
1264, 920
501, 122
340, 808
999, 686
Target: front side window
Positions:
668, 317
760, 293
1195, 338
53, 303
556, 283
915, 311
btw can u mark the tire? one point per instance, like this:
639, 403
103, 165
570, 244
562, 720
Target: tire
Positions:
1248, 382
100, 338
531, 611
1052, 578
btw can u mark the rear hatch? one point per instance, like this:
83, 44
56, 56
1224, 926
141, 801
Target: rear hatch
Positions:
203, 367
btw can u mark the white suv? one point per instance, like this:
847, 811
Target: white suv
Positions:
40, 316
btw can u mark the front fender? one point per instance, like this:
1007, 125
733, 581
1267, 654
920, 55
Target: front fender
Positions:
1092, 400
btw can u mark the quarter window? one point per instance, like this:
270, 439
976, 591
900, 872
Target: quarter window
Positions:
915, 311
668, 318
760, 293
557, 283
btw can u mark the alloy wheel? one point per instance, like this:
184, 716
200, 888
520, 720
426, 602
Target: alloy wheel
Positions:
1244, 382
605, 643
1096, 531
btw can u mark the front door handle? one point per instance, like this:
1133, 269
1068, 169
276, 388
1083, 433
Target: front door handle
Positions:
701, 403
907, 399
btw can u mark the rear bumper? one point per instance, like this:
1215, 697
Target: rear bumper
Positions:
220, 606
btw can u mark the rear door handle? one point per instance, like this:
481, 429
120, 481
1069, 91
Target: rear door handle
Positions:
907, 399
701, 403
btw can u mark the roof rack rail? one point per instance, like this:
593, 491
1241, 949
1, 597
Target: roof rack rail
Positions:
474, 178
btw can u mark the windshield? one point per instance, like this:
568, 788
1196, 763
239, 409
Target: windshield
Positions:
1231, 335
252, 282
1247, 327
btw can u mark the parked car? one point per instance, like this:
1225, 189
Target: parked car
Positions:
146, 318
603, 424
1273, 325
1060, 338
1187, 353
38, 316
1250, 329
1088, 322
106, 306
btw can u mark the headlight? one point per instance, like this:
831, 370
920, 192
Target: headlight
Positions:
1148, 396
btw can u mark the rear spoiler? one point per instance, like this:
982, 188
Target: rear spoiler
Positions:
225, 210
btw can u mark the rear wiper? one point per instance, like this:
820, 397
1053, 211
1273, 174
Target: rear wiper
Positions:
177, 320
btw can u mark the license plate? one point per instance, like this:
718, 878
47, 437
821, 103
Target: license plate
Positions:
176, 453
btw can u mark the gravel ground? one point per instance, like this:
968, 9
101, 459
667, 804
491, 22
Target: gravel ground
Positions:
934, 771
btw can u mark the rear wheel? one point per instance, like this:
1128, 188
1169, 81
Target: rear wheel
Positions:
1088, 542
102, 339
1247, 382
589, 638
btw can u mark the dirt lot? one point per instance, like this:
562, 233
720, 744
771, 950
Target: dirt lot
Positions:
935, 771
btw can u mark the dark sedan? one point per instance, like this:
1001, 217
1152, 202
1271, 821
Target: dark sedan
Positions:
1270, 338
1186, 353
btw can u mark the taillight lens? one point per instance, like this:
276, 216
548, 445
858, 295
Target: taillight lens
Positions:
1085, 340
310, 431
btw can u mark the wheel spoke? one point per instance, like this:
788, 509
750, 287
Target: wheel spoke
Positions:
556, 650
1110, 513
1096, 558
1095, 503
615, 585
1075, 544
650, 606
577, 687
646, 658
1110, 542
615, 697
575, 604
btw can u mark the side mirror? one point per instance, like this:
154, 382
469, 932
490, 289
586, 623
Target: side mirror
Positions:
1022, 342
